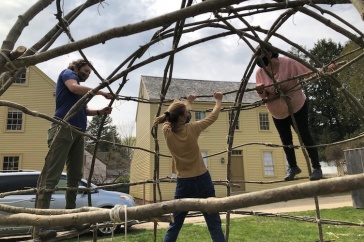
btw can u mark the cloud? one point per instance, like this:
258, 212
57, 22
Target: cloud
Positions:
221, 59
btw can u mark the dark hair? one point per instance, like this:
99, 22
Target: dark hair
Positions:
267, 48
77, 64
174, 111
274, 54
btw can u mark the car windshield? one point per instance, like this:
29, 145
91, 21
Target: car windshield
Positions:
63, 183
84, 184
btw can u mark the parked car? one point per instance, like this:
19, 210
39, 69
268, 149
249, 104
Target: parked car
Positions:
20, 180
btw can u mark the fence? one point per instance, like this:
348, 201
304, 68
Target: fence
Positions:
355, 164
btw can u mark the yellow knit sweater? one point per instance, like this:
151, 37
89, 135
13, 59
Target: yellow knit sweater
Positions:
183, 145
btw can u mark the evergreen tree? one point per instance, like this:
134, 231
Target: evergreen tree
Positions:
109, 133
329, 117
116, 157
352, 78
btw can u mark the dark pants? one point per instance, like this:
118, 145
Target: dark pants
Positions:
195, 187
284, 129
69, 151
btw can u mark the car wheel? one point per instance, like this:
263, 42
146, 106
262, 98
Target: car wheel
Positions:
106, 231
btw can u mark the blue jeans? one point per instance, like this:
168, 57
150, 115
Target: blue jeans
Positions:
195, 187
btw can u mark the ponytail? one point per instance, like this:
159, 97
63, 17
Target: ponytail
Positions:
175, 110
160, 119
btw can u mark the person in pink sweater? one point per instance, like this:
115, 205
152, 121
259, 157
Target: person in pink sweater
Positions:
282, 68
193, 178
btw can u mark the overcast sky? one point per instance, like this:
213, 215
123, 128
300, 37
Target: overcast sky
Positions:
223, 59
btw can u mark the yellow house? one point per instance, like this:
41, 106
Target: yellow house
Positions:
23, 138
249, 162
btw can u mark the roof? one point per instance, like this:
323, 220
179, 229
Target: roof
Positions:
183, 87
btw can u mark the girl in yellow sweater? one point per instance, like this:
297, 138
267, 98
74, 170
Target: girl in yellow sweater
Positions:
193, 178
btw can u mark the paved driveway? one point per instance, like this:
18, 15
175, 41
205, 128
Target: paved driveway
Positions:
304, 204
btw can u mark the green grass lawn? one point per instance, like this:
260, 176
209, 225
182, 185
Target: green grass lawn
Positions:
264, 229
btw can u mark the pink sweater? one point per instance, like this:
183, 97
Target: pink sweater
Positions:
287, 68
183, 145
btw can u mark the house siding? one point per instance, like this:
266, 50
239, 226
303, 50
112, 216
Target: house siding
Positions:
31, 143
165, 163
214, 140
140, 165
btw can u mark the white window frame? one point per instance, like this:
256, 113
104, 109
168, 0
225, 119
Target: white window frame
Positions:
204, 158
199, 115
11, 159
286, 162
237, 125
14, 123
22, 79
264, 121
268, 163
236, 152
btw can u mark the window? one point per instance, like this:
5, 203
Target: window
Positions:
199, 115
18, 182
268, 164
231, 119
11, 163
263, 121
14, 120
61, 183
204, 154
236, 152
22, 78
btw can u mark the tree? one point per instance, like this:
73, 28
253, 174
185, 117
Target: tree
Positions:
352, 78
326, 118
120, 157
109, 133
116, 157
127, 138
330, 117
298, 53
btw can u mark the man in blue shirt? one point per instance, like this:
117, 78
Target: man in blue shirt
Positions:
69, 146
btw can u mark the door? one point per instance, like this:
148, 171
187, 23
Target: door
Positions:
237, 171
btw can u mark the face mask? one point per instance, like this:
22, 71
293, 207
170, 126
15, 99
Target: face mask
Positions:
82, 76
188, 118
265, 61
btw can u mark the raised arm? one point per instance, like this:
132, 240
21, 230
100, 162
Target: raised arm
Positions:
218, 97
212, 117
189, 100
